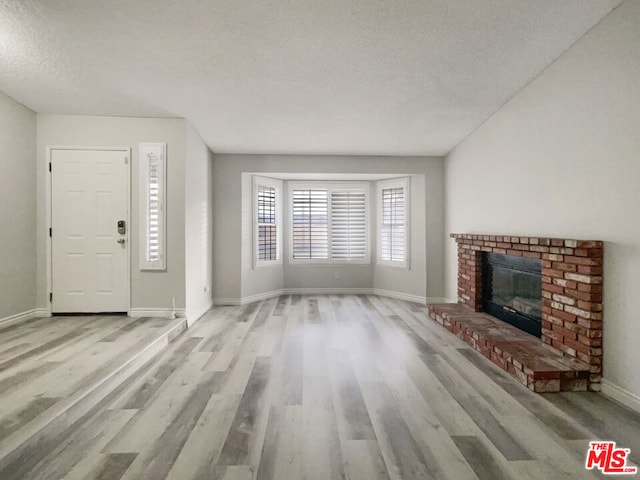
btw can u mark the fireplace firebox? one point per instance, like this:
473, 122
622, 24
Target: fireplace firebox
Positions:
512, 290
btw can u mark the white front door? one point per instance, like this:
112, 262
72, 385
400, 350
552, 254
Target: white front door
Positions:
89, 196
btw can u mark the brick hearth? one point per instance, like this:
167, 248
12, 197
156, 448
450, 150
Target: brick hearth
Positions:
535, 364
571, 290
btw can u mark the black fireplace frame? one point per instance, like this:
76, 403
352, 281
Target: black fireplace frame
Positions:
528, 323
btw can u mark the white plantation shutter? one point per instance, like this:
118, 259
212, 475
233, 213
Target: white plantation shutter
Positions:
348, 225
267, 235
153, 211
310, 235
393, 205
152, 177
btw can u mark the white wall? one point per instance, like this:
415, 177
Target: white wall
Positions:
198, 198
569, 143
263, 279
149, 289
229, 280
17, 208
412, 280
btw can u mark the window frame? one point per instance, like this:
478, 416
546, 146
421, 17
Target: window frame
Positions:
157, 152
259, 181
382, 185
329, 187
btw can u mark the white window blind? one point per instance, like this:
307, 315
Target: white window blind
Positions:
348, 225
267, 228
393, 222
152, 168
310, 221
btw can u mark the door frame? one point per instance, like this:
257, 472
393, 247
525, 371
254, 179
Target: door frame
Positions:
49, 211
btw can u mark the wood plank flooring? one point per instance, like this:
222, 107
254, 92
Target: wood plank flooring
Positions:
310, 387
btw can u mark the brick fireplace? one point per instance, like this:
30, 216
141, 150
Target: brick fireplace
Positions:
571, 298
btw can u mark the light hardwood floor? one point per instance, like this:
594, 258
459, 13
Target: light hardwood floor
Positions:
327, 387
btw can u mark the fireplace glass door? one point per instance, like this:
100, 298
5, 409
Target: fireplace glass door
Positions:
512, 290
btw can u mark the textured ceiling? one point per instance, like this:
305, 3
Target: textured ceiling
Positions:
286, 76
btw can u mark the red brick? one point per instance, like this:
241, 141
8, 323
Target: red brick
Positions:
590, 244
594, 333
498, 360
583, 313
555, 273
557, 336
588, 279
565, 267
553, 288
574, 327
555, 320
545, 386
592, 342
569, 317
583, 357
565, 348
587, 297
565, 283
563, 299
590, 306
565, 332
539, 249
590, 288
583, 269
591, 262
590, 324
594, 252
577, 346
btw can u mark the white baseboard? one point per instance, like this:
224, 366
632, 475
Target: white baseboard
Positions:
249, 299
328, 291
400, 296
621, 395
436, 300
194, 317
320, 291
19, 317
156, 312
224, 301
42, 312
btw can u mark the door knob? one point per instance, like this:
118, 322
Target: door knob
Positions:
121, 241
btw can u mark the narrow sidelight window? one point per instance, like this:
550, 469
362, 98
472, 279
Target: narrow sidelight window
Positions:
393, 217
267, 222
267, 229
152, 176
